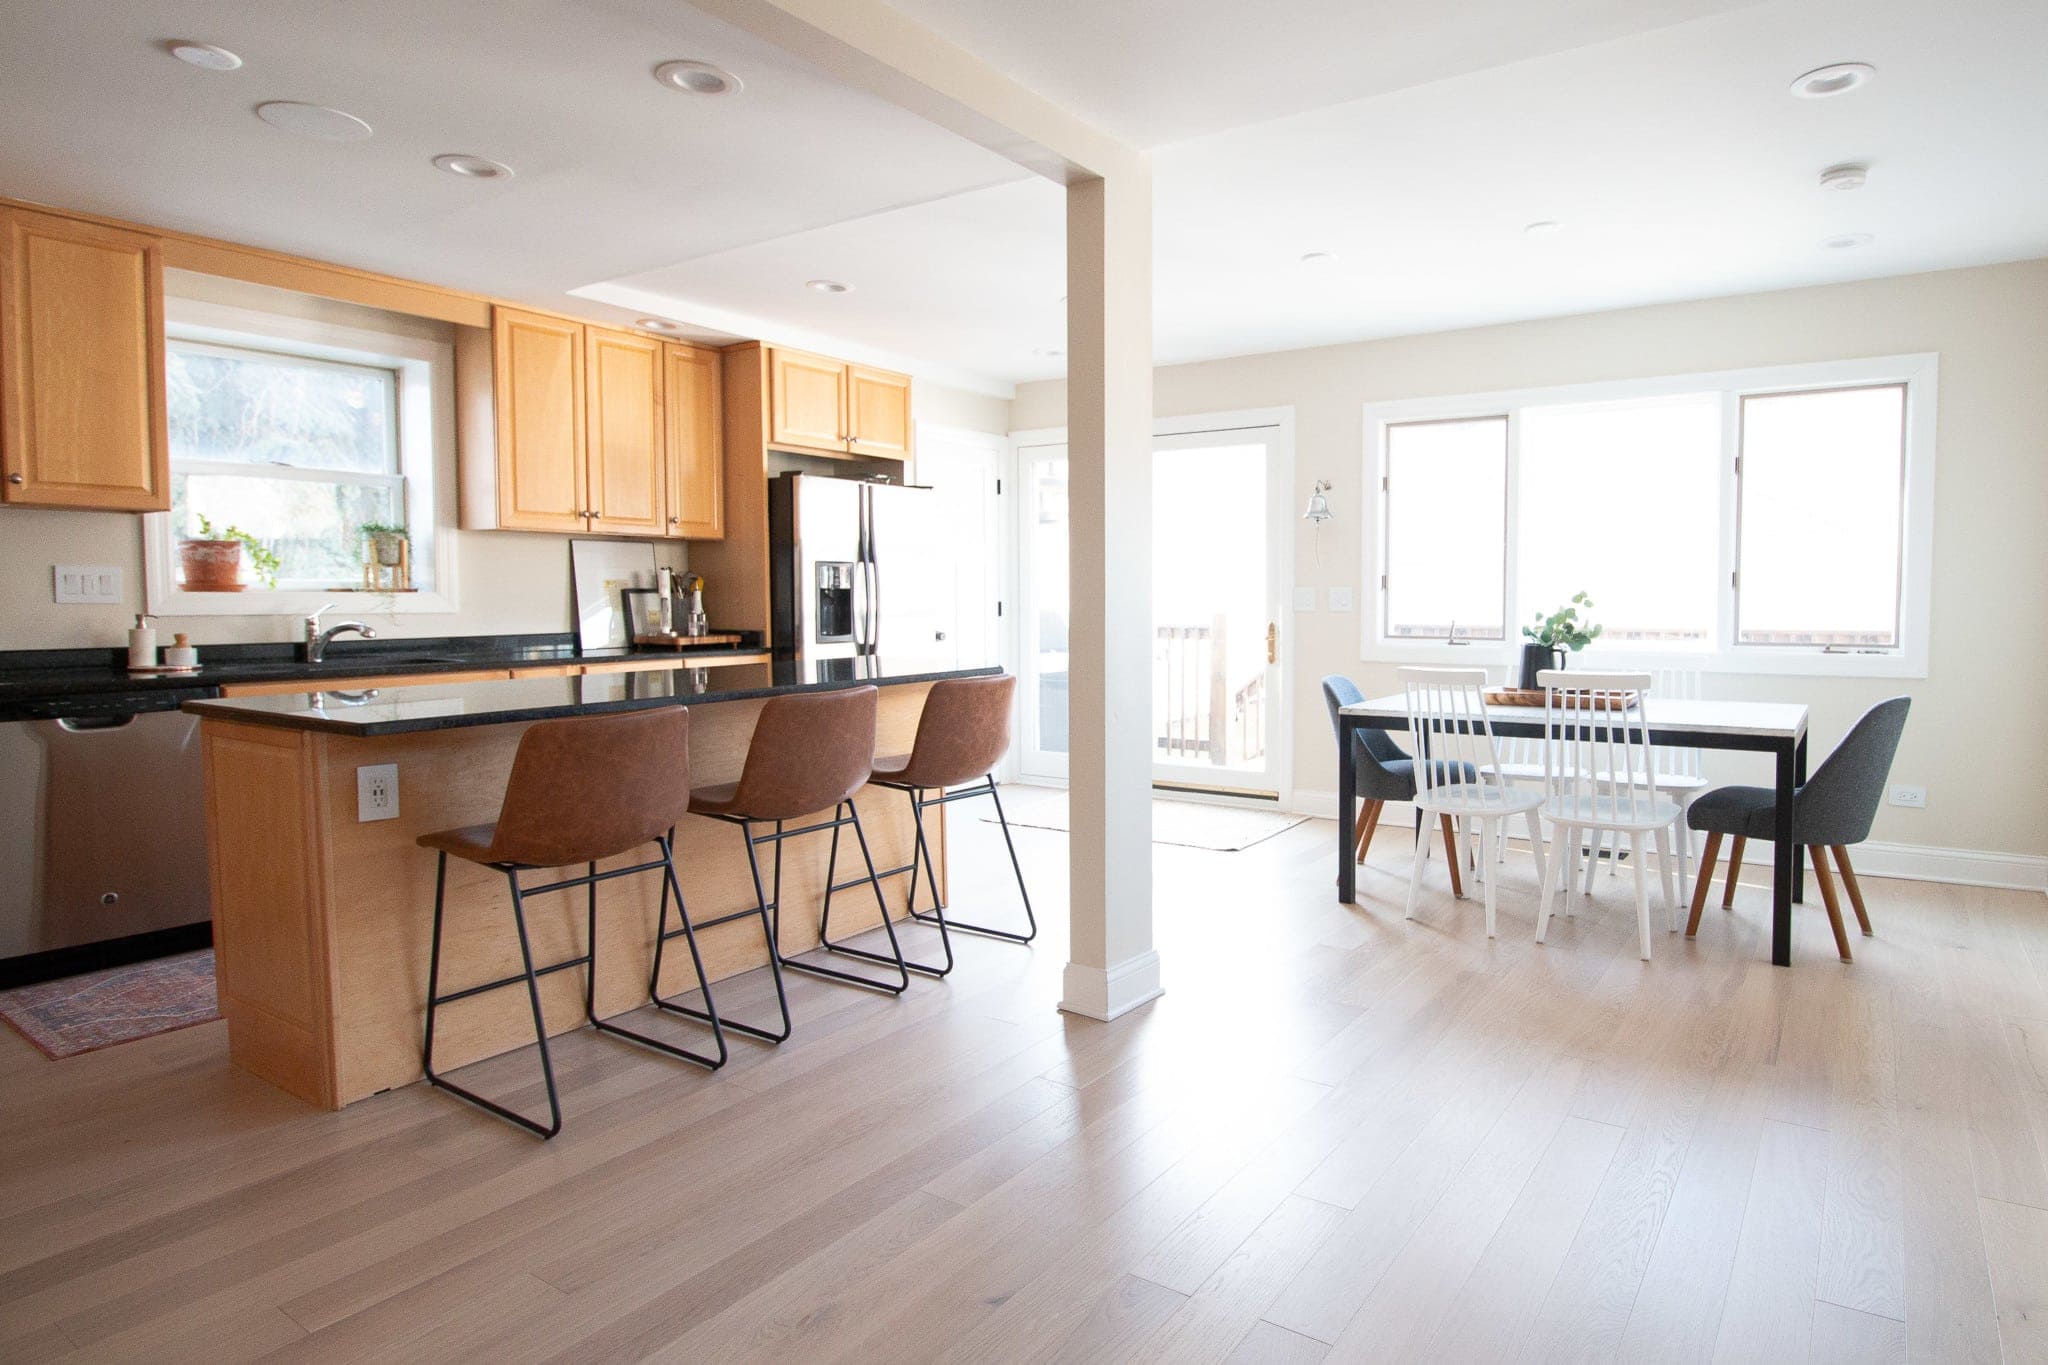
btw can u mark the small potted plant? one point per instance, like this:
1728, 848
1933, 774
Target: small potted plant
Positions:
212, 560
1552, 635
387, 542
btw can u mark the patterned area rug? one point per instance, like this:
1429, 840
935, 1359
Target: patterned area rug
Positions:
118, 1005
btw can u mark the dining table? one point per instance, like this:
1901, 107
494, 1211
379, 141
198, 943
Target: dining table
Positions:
1774, 728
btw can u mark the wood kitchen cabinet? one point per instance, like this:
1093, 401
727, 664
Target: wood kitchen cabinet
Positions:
696, 442
82, 388
628, 473
829, 407
577, 428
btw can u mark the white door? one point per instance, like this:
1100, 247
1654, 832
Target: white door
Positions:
1042, 610
962, 469
1222, 555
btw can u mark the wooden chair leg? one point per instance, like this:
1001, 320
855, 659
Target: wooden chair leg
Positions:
1704, 882
1855, 891
1372, 822
1734, 867
1827, 895
1358, 828
1451, 855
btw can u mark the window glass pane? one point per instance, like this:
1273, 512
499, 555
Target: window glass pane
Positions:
253, 407
1046, 629
1821, 505
1622, 501
1446, 529
311, 524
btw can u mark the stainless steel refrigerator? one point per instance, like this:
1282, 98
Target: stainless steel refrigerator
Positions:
853, 573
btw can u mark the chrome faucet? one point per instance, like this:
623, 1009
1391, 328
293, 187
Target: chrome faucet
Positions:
316, 638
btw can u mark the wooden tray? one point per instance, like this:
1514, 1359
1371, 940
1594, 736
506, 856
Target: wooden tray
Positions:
688, 641
1533, 696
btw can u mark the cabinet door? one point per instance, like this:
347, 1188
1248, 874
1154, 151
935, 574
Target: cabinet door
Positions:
806, 401
696, 443
878, 413
82, 407
537, 382
628, 484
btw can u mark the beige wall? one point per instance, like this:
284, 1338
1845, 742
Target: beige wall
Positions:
1978, 736
511, 582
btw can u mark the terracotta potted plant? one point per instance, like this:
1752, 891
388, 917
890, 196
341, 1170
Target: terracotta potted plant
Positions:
212, 560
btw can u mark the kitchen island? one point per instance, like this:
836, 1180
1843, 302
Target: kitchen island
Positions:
322, 919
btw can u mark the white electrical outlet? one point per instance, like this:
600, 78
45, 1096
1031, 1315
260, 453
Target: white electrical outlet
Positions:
1915, 797
1304, 599
87, 583
1340, 599
377, 792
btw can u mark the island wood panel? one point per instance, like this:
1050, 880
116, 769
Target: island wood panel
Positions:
271, 949
376, 894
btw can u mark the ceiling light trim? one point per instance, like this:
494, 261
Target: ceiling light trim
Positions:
319, 122
698, 78
1837, 78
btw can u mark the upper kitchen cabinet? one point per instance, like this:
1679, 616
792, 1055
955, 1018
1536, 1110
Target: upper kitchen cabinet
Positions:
82, 400
827, 407
628, 475
696, 442
572, 427
541, 456
877, 413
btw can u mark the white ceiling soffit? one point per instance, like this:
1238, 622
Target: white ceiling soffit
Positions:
615, 173
1150, 72
1676, 163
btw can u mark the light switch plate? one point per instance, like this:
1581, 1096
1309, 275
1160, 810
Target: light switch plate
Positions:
376, 792
1340, 599
1304, 599
87, 583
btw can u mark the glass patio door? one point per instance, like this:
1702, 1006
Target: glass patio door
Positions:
1042, 580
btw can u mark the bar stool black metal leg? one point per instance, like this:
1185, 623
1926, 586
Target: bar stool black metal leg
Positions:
709, 1014
540, 1032
895, 959
1016, 866
661, 925
903, 964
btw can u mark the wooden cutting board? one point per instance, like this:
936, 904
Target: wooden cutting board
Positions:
1533, 696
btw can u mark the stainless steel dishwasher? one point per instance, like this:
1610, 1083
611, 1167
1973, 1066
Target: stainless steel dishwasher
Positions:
102, 833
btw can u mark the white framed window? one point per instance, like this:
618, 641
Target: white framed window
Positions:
1773, 520
299, 433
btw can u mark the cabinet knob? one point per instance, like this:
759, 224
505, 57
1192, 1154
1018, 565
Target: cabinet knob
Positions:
16, 480
675, 521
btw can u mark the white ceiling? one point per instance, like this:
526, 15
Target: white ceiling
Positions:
1670, 151
1156, 71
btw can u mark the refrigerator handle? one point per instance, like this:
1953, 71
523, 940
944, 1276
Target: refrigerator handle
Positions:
860, 572
874, 578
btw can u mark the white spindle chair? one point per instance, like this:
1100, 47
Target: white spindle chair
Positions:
1457, 771
1600, 778
1679, 773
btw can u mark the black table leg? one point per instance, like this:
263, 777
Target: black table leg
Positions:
1799, 853
1782, 856
1347, 812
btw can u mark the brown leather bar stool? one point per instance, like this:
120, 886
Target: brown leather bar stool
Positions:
810, 751
581, 789
961, 736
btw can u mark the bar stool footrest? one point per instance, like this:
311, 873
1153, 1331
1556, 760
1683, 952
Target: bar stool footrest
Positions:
724, 1021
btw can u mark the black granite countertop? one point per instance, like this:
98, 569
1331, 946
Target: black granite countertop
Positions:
35, 683
453, 706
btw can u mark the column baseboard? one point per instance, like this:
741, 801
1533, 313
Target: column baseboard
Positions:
1106, 993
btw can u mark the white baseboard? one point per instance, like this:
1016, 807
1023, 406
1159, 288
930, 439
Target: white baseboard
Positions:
1105, 993
1911, 862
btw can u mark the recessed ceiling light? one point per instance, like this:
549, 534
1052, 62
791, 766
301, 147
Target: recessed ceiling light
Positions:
1318, 258
827, 286
205, 56
698, 78
1849, 175
1542, 227
1848, 240
662, 325
473, 167
313, 120
1838, 79
1049, 352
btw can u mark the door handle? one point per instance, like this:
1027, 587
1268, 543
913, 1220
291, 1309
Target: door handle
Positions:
1272, 643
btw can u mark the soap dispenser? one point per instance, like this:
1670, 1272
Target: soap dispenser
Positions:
142, 643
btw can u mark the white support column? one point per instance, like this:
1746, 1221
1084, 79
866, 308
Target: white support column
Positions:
1113, 966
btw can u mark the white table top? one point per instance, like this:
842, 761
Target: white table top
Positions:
1766, 719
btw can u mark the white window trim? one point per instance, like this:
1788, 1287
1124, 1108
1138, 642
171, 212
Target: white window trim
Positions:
1920, 373
426, 448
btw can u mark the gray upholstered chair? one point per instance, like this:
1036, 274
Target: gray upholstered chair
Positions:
1831, 811
1385, 773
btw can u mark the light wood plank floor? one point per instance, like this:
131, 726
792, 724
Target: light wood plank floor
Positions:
1339, 1136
